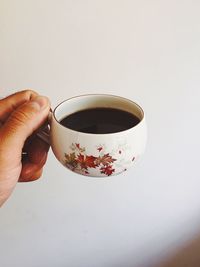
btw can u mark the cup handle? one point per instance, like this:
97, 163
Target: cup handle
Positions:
44, 135
43, 132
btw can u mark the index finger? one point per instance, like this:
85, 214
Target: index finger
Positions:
10, 103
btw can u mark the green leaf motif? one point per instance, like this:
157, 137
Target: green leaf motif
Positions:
70, 160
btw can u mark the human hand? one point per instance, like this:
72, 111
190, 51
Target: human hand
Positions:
20, 115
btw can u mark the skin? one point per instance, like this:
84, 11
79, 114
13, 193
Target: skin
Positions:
22, 153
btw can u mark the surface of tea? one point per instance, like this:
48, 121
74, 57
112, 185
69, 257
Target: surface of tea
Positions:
100, 120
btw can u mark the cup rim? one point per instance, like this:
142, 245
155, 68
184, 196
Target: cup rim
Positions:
109, 95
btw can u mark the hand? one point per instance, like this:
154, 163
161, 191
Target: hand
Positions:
20, 115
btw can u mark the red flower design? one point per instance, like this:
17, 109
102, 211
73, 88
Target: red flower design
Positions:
77, 145
86, 161
100, 148
106, 159
108, 170
81, 162
90, 161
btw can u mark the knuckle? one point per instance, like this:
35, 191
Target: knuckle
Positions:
29, 93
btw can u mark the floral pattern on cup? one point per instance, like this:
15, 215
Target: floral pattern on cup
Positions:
79, 161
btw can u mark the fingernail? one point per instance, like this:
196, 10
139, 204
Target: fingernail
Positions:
40, 102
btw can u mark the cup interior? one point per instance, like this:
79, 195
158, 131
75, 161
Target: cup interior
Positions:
79, 103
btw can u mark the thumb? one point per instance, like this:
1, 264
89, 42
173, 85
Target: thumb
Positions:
24, 121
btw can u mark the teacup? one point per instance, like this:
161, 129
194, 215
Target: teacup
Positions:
98, 155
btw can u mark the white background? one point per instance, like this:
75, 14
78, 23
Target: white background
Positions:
147, 50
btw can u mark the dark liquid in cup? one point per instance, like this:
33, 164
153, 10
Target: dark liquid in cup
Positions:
100, 120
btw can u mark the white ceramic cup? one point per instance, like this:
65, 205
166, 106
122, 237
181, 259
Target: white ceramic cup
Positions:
97, 155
